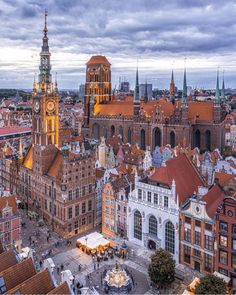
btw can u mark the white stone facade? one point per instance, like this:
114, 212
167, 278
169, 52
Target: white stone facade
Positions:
159, 211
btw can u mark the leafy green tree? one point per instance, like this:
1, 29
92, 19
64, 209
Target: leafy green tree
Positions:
210, 284
161, 270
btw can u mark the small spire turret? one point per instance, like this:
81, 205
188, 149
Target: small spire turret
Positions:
136, 89
184, 93
217, 94
223, 89
172, 88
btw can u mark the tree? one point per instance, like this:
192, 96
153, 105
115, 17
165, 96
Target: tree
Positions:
161, 270
211, 284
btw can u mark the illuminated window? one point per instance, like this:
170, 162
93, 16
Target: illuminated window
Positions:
223, 241
223, 257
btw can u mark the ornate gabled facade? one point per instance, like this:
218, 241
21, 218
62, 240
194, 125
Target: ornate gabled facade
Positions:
159, 122
57, 183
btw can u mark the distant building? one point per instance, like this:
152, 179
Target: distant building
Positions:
81, 91
124, 86
145, 89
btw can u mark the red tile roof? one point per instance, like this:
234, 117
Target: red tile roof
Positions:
223, 178
10, 201
182, 170
55, 167
98, 59
41, 283
7, 130
213, 199
62, 289
7, 259
18, 273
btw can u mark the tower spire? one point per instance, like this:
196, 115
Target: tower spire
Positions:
223, 88
217, 94
184, 93
45, 77
136, 89
172, 88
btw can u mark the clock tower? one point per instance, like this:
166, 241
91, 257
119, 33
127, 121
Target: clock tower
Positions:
45, 121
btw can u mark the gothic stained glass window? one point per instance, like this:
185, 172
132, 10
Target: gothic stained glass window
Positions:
138, 225
153, 225
170, 237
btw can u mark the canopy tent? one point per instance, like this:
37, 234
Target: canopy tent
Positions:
93, 241
219, 275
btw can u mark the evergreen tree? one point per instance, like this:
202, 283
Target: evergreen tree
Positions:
161, 270
211, 284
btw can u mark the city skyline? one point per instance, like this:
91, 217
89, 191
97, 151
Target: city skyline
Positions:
186, 29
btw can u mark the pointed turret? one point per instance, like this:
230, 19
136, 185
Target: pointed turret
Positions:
34, 87
223, 90
45, 66
184, 93
136, 96
136, 89
217, 94
55, 84
172, 88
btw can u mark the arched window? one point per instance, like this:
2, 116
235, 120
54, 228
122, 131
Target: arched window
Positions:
197, 139
208, 140
153, 225
129, 136
172, 139
137, 225
104, 132
121, 132
112, 130
142, 141
96, 130
156, 137
170, 237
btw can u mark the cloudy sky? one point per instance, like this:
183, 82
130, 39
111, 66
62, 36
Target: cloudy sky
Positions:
160, 34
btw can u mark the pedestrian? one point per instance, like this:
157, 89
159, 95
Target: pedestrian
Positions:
40, 263
94, 266
62, 266
58, 270
47, 238
98, 264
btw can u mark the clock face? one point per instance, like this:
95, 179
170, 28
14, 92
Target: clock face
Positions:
36, 107
50, 106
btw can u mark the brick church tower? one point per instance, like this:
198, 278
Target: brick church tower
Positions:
45, 111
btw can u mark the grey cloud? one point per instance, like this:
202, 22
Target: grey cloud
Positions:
125, 28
